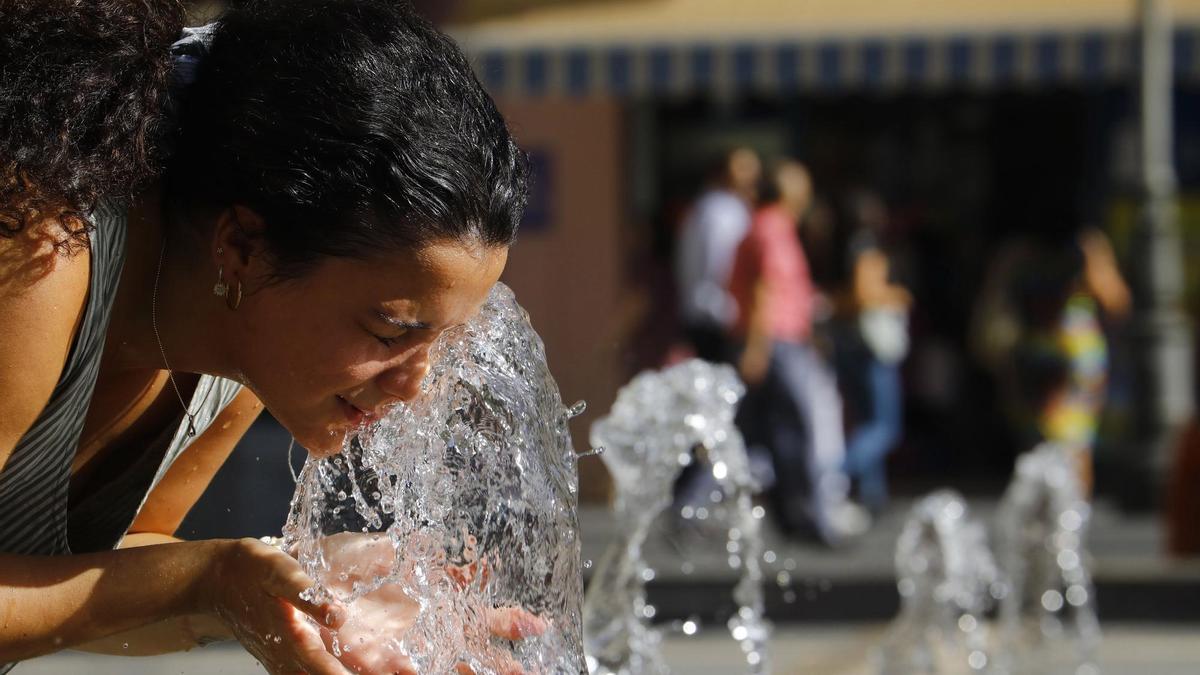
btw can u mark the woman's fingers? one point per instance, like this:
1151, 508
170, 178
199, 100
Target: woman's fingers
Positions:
501, 662
291, 585
317, 661
514, 623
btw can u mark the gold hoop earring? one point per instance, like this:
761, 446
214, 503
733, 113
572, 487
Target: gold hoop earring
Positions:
234, 299
220, 289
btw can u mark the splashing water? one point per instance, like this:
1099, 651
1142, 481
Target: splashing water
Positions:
1048, 618
655, 423
945, 576
440, 520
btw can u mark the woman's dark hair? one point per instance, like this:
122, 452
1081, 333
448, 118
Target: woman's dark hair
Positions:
350, 127
82, 84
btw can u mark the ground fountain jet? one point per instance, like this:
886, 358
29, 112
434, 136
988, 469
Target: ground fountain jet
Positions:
946, 578
453, 515
1048, 617
658, 420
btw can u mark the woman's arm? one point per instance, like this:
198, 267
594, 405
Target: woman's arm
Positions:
177, 634
48, 603
42, 296
179, 490
156, 523
1102, 274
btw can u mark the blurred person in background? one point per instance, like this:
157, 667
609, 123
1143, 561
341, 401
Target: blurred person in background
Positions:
793, 406
1040, 328
708, 238
872, 344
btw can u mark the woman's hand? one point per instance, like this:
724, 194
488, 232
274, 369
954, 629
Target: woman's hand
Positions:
256, 590
369, 640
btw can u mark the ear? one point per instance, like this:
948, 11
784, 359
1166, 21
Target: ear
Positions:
237, 243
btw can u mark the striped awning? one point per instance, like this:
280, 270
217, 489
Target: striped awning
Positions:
536, 56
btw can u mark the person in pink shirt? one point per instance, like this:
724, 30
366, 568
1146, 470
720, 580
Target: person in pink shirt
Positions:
793, 406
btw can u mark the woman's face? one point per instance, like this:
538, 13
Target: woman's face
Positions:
328, 350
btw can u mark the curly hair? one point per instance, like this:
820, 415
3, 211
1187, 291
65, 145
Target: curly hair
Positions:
82, 84
350, 126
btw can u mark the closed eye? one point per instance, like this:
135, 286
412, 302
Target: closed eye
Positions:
387, 341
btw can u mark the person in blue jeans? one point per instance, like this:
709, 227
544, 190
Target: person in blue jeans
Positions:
870, 355
880, 424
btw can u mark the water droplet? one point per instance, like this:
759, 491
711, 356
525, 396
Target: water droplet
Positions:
587, 564
1052, 600
1077, 595
719, 470
1068, 559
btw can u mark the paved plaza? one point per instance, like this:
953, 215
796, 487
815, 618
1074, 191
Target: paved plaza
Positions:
808, 650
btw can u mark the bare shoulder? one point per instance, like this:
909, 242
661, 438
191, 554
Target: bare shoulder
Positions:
43, 290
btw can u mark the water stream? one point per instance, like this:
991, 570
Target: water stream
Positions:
449, 527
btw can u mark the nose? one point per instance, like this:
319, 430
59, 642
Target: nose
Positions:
403, 381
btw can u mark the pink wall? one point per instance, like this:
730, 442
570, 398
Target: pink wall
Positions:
565, 269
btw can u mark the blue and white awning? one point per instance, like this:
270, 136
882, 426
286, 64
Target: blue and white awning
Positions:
669, 47
780, 66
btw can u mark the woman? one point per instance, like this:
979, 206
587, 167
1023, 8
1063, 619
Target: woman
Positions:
876, 311
1041, 328
339, 190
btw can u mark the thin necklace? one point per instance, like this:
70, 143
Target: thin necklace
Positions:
292, 467
191, 428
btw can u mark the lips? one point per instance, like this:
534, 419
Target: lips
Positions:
353, 413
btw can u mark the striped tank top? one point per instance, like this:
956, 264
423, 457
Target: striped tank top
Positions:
36, 515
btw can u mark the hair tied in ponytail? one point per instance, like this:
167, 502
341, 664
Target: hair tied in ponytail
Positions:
187, 53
